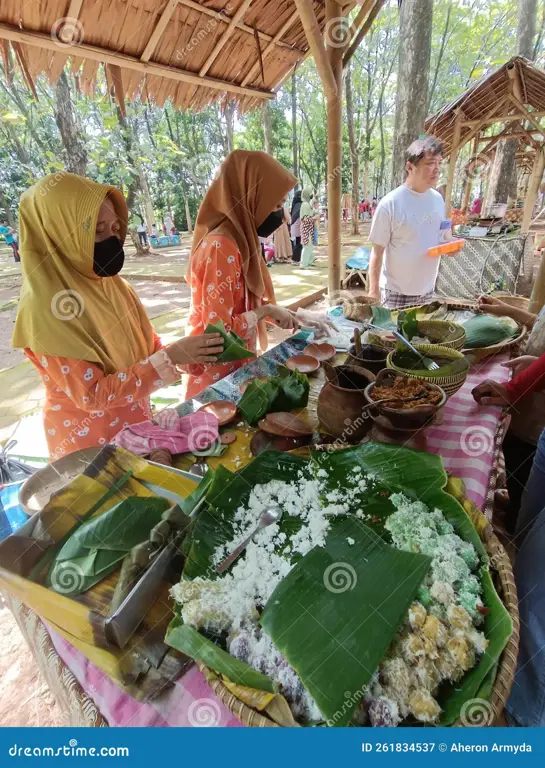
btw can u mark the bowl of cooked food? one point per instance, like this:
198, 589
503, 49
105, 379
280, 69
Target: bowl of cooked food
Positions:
402, 402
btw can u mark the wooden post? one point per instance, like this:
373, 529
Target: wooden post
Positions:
452, 160
533, 189
537, 299
469, 176
316, 44
334, 158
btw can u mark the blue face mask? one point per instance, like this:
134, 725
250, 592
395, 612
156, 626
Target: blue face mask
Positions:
109, 257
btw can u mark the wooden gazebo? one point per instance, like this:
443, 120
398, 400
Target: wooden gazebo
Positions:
510, 102
196, 53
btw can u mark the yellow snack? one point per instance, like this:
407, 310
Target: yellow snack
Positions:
412, 648
458, 617
426, 675
435, 630
417, 615
461, 652
423, 706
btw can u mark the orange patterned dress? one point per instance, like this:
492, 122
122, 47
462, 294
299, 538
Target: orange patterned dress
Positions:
86, 408
218, 292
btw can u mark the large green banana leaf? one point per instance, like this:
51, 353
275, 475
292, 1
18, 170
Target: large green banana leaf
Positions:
335, 614
277, 393
97, 547
234, 347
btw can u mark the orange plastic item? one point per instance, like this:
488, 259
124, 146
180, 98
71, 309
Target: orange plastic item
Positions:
447, 249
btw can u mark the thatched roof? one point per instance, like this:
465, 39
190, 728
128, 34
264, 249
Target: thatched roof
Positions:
496, 98
195, 53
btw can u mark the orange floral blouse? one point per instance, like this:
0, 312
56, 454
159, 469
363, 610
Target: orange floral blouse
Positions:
218, 292
86, 408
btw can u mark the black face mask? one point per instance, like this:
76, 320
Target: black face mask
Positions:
109, 257
271, 223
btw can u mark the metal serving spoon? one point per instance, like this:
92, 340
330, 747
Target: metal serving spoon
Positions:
266, 518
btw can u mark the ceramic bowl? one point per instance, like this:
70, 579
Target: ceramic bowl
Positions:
403, 418
372, 357
223, 410
320, 351
285, 424
303, 364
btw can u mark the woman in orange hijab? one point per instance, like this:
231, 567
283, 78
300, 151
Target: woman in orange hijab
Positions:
228, 277
80, 324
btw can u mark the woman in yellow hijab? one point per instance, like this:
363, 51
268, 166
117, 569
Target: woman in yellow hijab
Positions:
81, 324
228, 276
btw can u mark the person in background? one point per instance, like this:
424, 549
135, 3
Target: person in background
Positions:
307, 228
476, 206
227, 274
405, 225
361, 209
80, 324
296, 226
374, 205
316, 210
142, 233
528, 419
169, 225
10, 236
154, 230
283, 250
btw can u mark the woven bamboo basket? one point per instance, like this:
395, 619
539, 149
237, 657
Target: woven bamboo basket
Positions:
494, 349
519, 302
505, 585
441, 332
356, 308
450, 384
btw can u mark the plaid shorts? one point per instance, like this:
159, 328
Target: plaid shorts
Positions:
394, 300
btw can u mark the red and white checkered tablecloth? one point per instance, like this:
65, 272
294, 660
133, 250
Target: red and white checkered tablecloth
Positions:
466, 440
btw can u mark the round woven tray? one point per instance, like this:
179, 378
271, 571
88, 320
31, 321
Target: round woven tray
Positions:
435, 330
505, 585
494, 349
450, 384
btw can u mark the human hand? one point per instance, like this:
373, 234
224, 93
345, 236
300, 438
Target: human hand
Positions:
520, 364
317, 320
490, 393
279, 316
196, 349
492, 306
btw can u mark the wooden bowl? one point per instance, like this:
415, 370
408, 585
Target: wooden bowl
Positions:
285, 424
320, 351
403, 419
223, 410
261, 441
303, 364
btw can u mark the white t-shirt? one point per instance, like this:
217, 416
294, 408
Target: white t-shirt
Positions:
406, 224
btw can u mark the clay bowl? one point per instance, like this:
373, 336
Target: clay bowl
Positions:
303, 364
283, 424
261, 441
403, 419
320, 351
223, 410
245, 384
372, 357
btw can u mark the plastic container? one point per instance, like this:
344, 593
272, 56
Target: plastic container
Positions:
447, 249
445, 234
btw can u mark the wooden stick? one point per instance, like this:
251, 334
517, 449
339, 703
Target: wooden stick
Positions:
478, 127
500, 118
117, 80
259, 56
452, 159
533, 189
39, 40
316, 44
529, 116
271, 46
5, 57
537, 299
224, 39
469, 178
166, 16
363, 31
360, 18
20, 55
508, 135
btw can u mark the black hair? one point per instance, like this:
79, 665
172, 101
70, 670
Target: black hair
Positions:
418, 149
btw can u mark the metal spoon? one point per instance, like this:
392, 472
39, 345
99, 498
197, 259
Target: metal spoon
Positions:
199, 469
427, 362
266, 518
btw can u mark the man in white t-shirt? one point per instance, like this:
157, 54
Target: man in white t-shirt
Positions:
405, 225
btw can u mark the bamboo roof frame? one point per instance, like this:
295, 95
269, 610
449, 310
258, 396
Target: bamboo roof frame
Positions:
196, 53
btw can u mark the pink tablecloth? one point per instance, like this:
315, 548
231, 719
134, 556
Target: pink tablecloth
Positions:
466, 441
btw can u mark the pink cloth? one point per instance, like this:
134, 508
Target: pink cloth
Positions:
465, 440
178, 434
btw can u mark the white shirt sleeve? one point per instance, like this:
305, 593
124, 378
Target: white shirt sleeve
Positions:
381, 226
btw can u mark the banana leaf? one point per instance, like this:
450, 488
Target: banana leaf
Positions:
408, 324
187, 640
336, 613
382, 318
277, 393
407, 360
233, 348
97, 547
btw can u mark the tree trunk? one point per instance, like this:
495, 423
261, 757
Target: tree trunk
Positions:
415, 23
4, 206
268, 129
353, 152
380, 183
187, 211
294, 125
503, 176
72, 139
230, 128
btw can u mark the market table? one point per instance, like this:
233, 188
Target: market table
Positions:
469, 441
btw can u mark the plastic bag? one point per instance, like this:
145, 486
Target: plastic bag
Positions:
11, 469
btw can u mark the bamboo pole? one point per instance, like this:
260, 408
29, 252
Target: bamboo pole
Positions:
533, 189
502, 118
316, 44
469, 178
529, 116
452, 160
271, 46
363, 31
224, 39
334, 158
160, 27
